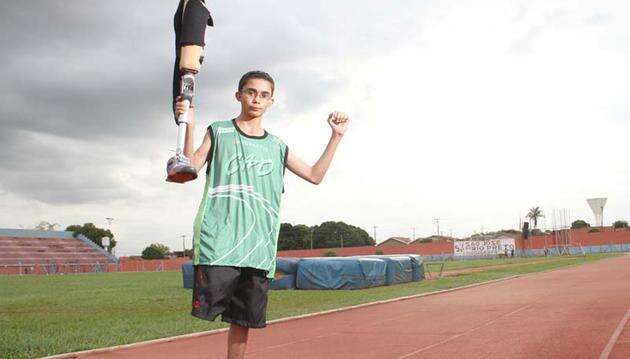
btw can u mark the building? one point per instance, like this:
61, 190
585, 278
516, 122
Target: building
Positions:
395, 241
434, 238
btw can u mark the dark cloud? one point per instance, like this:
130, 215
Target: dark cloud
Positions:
50, 170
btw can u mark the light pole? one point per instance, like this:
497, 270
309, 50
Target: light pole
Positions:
340, 237
312, 238
184, 245
109, 228
374, 227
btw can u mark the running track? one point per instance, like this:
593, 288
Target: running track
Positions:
575, 312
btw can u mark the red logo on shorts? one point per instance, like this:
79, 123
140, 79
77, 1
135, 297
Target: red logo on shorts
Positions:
196, 304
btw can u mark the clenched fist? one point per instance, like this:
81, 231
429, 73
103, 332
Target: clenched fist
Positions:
338, 121
180, 108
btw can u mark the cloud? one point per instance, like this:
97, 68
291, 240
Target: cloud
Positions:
468, 111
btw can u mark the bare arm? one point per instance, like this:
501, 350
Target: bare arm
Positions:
315, 174
198, 157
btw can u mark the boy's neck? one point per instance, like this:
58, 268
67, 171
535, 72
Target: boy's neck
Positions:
250, 125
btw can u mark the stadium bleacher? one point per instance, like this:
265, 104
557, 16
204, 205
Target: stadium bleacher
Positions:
43, 252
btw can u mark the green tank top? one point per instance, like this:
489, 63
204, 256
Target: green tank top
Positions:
238, 220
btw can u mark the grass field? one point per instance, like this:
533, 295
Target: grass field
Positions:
45, 315
457, 265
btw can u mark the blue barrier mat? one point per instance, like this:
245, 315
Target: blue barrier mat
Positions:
187, 274
340, 273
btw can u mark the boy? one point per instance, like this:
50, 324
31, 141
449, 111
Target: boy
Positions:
237, 224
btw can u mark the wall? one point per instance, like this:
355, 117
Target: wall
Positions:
423, 249
579, 237
148, 265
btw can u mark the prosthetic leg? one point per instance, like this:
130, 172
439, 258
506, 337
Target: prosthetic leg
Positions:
190, 23
178, 167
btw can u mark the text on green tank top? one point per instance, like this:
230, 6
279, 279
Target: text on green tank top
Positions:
238, 220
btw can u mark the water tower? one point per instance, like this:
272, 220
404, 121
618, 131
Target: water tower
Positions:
597, 205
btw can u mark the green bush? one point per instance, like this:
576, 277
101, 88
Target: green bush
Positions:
579, 224
155, 251
330, 254
593, 230
620, 224
93, 233
379, 252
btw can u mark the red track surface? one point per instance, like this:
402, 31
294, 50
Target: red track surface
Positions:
568, 313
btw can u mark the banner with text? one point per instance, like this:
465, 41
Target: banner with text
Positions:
490, 247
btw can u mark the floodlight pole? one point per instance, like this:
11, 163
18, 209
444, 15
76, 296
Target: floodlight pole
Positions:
109, 228
374, 228
312, 238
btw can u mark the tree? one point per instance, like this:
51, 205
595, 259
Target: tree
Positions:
155, 251
577, 224
94, 233
620, 224
293, 237
330, 234
45, 226
326, 235
534, 214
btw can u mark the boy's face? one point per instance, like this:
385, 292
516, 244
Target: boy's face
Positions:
255, 97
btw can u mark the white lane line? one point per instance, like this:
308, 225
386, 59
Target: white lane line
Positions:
615, 335
290, 343
466, 332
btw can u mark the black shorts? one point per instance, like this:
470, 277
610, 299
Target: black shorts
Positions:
238, 294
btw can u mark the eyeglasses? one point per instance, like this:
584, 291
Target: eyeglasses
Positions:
252, 93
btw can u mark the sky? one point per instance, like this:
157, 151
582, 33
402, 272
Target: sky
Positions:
467, 112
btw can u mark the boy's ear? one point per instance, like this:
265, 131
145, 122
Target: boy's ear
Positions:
238, 96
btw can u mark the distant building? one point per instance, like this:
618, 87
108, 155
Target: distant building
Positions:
434, 238
395, 241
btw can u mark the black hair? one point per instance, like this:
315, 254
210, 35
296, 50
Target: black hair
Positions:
255, 75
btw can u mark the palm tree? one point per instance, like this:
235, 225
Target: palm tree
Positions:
534, 214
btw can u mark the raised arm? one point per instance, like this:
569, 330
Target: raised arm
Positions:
338, 122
